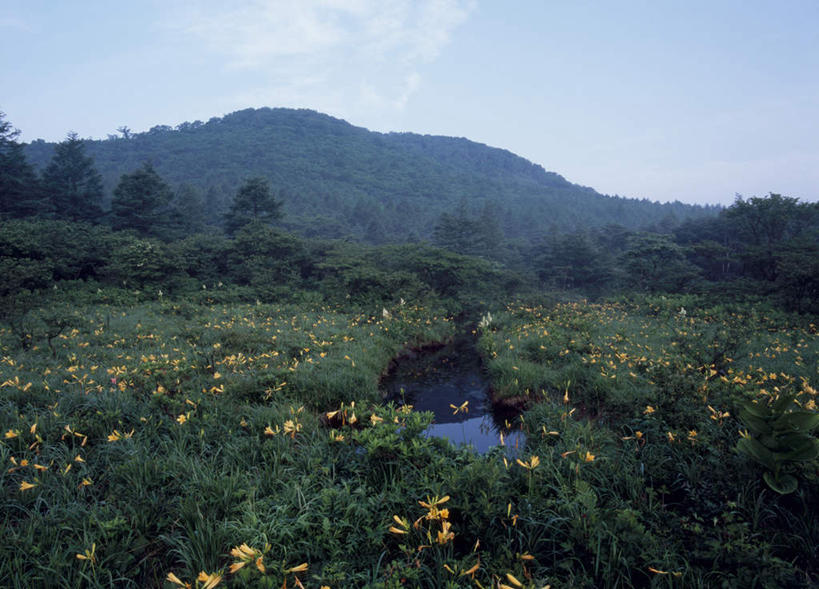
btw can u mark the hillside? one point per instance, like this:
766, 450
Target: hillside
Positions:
339, 180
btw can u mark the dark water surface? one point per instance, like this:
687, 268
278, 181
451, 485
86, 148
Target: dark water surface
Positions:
436, 379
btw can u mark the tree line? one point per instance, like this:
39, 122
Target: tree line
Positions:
760, 246
71, 189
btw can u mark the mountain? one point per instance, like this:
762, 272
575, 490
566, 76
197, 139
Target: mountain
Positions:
338, 180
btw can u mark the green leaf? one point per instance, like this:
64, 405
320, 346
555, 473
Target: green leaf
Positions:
757, 451
803, 421
755, 409
781, 404
756, 424
807, 451
786, 484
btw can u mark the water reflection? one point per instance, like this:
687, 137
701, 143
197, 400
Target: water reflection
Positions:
436, 381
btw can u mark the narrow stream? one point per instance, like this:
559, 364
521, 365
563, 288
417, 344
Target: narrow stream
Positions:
435, 380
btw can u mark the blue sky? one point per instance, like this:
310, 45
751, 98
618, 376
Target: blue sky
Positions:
667, 100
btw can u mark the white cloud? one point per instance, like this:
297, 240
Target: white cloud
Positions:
345, 56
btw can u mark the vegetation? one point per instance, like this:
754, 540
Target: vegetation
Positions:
186, 406
336, 180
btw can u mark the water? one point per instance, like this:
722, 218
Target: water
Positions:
437, 379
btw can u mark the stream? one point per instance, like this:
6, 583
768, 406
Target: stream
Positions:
435, 380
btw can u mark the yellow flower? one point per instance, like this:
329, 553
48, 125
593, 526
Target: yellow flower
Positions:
182, 419
588, 457
209, 581
177, 581
12, 433
445, 535
530, 464
433, 502
471, 571
649, 410
513, 580
25, 486
462, 408
402, 522
291, 427
89, 554
116, 435
297, 569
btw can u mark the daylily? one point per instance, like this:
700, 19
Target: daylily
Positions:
177, 581
209, 580
530, 464
445, 535
462, 408
513, 580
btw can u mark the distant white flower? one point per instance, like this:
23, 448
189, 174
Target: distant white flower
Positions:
385, 314
683, 312
485, 321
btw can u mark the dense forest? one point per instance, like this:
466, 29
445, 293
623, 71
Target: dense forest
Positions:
192, 200
336, 180
195, 322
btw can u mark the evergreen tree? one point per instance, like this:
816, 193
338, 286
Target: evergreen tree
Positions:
20, 194
141, 202
253, 203
72, 183
189, 208
466, 234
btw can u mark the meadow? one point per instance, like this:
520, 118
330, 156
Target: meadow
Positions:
200, 443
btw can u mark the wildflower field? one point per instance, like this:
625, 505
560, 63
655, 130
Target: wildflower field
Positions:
167, 443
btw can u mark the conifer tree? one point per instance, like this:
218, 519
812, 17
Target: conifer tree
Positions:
253, 203
72, 184
141, 202
20, 194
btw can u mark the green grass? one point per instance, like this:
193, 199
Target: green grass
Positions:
167, 434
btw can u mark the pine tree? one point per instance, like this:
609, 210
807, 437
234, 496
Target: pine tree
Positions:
141, 202
253, 203
72, 183
20, 194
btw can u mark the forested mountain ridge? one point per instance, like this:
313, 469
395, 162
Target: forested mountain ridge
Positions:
338, 180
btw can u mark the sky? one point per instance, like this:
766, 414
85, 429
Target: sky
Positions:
696, 101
